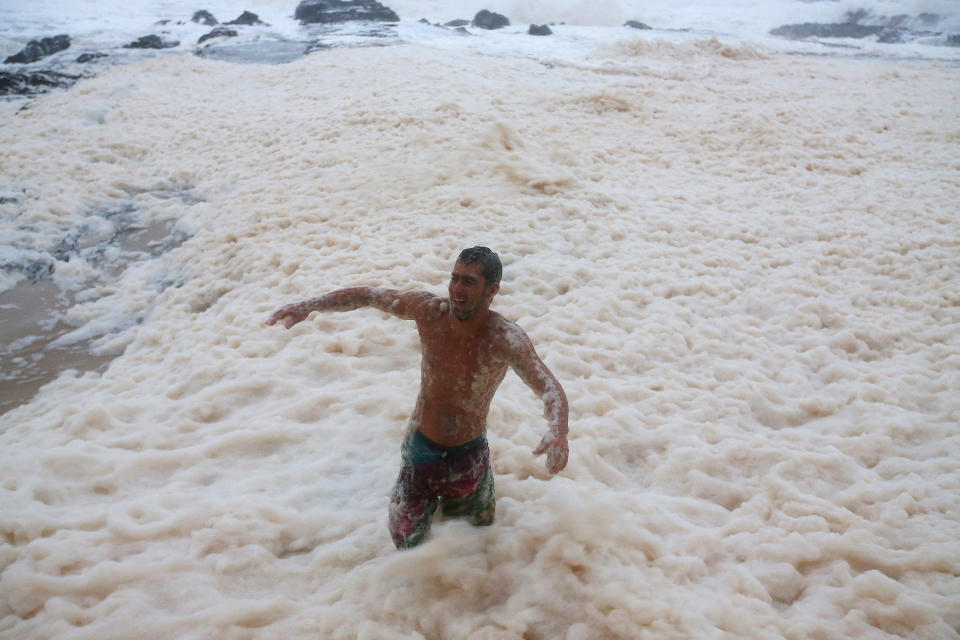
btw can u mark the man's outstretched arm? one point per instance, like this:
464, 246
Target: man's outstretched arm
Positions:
401, 304
541, 380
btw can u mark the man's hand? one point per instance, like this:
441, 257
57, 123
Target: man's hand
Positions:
290, 314
555, 446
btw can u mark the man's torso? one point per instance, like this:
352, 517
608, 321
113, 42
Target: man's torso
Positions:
459, 375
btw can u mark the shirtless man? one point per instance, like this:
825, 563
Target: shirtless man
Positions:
466, 350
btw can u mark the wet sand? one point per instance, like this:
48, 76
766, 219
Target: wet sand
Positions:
32, 319
29, 323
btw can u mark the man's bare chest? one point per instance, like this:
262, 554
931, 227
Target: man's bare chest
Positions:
458, 357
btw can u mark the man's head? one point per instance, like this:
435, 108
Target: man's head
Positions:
474, 281
488, 261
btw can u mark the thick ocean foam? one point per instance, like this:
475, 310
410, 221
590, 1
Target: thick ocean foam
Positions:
742, 268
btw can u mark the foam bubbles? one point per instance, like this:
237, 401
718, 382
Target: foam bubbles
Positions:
739, 267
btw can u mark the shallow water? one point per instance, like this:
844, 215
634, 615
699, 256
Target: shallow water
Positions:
34, 330
26, 313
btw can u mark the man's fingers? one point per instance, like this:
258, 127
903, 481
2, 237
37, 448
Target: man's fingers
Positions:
545, 444
556, 454
556, 461
276, 317
286, 317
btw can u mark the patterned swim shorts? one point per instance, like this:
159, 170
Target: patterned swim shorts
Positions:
458, 479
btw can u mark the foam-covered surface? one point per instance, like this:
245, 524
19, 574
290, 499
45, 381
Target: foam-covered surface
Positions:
742, 268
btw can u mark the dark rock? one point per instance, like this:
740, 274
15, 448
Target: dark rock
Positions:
90, 57
898, 21
38, 49
953, 40
331, 11
857, 15
457, 23
489, 20
910, 25
832, 30
219, 32
26, 84
891, 36
151, 42
539, 30
318, 46
204, 17
633, 24
246, 18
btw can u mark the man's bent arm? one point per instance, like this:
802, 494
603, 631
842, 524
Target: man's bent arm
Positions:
541, 381
391, 301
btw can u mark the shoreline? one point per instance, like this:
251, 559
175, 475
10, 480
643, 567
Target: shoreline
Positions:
255, 48
34, 333
30, 360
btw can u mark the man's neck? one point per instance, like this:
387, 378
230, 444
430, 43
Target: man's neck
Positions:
472, 324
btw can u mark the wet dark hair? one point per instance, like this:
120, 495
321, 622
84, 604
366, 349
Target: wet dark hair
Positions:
490, 261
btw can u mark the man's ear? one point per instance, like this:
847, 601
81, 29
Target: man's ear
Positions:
494, 289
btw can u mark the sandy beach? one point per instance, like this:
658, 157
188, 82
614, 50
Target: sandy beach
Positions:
742, 267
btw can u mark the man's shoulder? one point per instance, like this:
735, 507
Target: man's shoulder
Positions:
423, 297
507, 333
428, 304
498, 323
411, 305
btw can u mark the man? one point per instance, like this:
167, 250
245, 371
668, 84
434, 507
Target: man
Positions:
466, 350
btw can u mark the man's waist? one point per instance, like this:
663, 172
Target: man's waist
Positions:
419, 448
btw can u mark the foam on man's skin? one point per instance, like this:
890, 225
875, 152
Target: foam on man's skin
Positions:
757, 342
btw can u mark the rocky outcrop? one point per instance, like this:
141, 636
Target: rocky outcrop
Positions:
39, 49
921, 22
246, 18
863, 23
891, 36
489, 20
27, 84
539, 30
219, 32
204, 17
826, 30
633, 24
84, 58
151, 42
332, 11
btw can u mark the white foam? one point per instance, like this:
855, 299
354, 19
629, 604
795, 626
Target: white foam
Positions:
741, 267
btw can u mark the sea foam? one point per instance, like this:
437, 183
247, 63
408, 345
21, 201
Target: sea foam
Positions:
742, 269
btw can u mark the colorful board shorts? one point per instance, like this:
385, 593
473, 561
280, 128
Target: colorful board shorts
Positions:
459, 479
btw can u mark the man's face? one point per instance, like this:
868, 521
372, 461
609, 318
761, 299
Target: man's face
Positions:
468, 290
